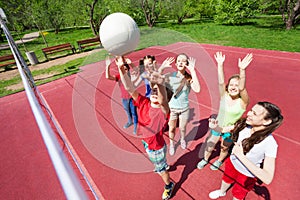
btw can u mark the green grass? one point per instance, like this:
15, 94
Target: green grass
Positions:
262, 33
65, 36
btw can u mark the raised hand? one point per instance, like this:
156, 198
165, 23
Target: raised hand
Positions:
156, 78
167, 62
220, 58
243, 64
191, 65
128, 61
119, 60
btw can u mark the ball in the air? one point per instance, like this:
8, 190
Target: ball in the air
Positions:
119, 34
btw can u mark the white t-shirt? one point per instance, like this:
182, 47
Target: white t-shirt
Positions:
267, 147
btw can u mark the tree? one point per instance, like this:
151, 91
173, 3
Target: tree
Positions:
290, 10
49, 13
175, 9
182, 9
269, 6
97, 11
235, 11
75, 13
151, 10
18, 13
206, 8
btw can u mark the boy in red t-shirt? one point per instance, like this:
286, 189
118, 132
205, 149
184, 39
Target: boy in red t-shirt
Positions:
152, 116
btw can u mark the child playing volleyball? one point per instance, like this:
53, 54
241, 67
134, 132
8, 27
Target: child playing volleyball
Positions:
233, 103
181, 83
254, 144
127, 102
152, 116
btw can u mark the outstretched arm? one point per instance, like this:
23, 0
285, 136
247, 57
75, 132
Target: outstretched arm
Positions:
243, 64
128, 61
163, 98
220, 58
135, 74
195, 85
265, 174
125, 78
138, 81
107, 70
158, 80
167, 63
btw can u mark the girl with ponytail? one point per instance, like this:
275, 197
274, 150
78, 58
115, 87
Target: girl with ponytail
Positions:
254, 144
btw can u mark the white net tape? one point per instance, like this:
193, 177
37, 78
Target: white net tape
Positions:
66, 175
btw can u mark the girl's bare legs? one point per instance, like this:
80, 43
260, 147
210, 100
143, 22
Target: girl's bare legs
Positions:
210, 146
165, 177
169, 186
172, 129
224, 150
183, 120
220, 192
224, 187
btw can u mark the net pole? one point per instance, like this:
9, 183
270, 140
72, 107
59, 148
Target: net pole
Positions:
68, 180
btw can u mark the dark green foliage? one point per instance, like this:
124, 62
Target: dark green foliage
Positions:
235, 12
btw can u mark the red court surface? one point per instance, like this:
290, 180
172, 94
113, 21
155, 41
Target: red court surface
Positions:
88, 109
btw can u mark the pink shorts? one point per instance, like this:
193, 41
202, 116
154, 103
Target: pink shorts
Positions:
243, 184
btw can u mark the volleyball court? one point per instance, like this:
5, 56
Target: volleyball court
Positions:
110, 161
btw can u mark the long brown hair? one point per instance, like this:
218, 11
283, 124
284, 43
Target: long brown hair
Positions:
141, 62
273, 113
186, 75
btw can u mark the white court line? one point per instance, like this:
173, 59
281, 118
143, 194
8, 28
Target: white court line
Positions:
77, 160
286, 138
260, 54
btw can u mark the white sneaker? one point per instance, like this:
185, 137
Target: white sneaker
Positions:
216, 194
183, 144
172, 150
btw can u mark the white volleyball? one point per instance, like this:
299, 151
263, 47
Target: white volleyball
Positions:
119, 34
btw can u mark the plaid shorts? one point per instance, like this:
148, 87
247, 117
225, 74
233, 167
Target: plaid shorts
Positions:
158, 158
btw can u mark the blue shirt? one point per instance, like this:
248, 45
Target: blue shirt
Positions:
182, 100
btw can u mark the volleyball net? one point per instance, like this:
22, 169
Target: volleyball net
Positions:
69, 181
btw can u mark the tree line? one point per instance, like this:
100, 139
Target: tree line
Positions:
57, 14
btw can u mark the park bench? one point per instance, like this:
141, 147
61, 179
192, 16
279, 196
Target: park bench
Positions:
88, 42
58, 48
7, 61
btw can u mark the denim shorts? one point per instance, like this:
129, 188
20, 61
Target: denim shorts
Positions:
226, 136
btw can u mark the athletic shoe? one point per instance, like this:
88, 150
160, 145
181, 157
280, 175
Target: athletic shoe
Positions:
128, 124
171, 150
183, 144
167, 167
135, 129
216, 194
216, 165
202, 164
168, 192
